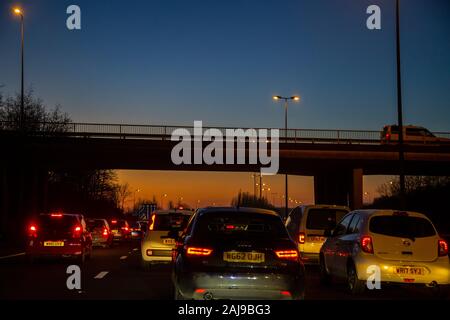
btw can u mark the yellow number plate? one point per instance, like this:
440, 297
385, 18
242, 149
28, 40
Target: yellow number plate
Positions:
409, 271
252, 257
169, 241
54, 244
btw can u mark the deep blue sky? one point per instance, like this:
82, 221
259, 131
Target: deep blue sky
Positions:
174, 62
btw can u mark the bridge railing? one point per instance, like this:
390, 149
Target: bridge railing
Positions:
127, 131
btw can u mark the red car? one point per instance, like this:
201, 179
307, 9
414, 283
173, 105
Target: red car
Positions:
59, 235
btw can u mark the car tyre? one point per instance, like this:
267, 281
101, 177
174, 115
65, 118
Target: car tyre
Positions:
177, 294
325, 277
146, 265
355, 285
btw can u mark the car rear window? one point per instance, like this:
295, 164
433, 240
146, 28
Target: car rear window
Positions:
322, 219
96, 223
60, 223
214, 223
401, 226
167, 222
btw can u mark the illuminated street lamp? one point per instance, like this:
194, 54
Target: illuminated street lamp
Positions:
19, 12
286, 105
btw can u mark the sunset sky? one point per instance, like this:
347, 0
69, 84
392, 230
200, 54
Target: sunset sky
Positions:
176, 61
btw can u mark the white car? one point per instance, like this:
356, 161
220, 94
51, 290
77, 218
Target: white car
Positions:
402, 247
307, 224
158, 242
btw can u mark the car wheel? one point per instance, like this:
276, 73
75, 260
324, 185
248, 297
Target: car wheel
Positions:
146, 265
355, 285
177, 294
81, 258
325, 277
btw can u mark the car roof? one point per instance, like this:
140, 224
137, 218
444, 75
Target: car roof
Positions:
183, 212
239, 210
405, 126
387, 212
324, 206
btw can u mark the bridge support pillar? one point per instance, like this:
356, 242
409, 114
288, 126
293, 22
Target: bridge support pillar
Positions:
342, 187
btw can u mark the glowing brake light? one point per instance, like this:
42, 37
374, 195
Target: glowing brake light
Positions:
287, 254
366, 244
285, 293
200, 291
32, 231
229, 227
77, 232
388, 136
301, 238
105, 232
114, 221
191, 251
152, 225
442, 248
56, 215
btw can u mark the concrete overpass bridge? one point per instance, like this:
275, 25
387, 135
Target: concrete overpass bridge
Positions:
337, 159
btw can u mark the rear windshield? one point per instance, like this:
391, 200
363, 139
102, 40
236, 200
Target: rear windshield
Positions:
322, 219
167, 222
95, 223
248, 224
401, 226
117, 224
62, 223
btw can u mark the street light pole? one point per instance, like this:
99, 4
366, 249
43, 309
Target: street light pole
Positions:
401, 155
19, 12
286, 105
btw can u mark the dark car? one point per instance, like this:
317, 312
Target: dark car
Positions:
120, 230
60, 235
101, 233
237, 253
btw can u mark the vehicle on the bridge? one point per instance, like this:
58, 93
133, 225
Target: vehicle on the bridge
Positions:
159, 240
411, 135
120, 230
307, 224
101, 233
402, 247
237, 253
59, 235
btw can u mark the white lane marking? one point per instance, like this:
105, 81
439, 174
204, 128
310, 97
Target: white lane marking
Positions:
135, 249
13, 255
123, 257
101, 275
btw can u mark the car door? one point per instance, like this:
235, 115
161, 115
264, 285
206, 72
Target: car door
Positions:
345, 245
335, 246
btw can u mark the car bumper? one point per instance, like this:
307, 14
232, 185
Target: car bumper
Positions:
437, 272
253, 286
100, 241
66, 250
309, 258
157, 254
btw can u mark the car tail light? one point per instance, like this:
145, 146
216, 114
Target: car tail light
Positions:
114, 221
388, 136
105, 232
56, 215
287, 254
200, 291
152, 225
32, 231
367, 244
125, 228
285, 293
443, 248
77, 232
229, 227
301, 238
191, 251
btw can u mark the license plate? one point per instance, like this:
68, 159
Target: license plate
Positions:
252, 257
54, 244
169, 241
115, 231
410, 271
